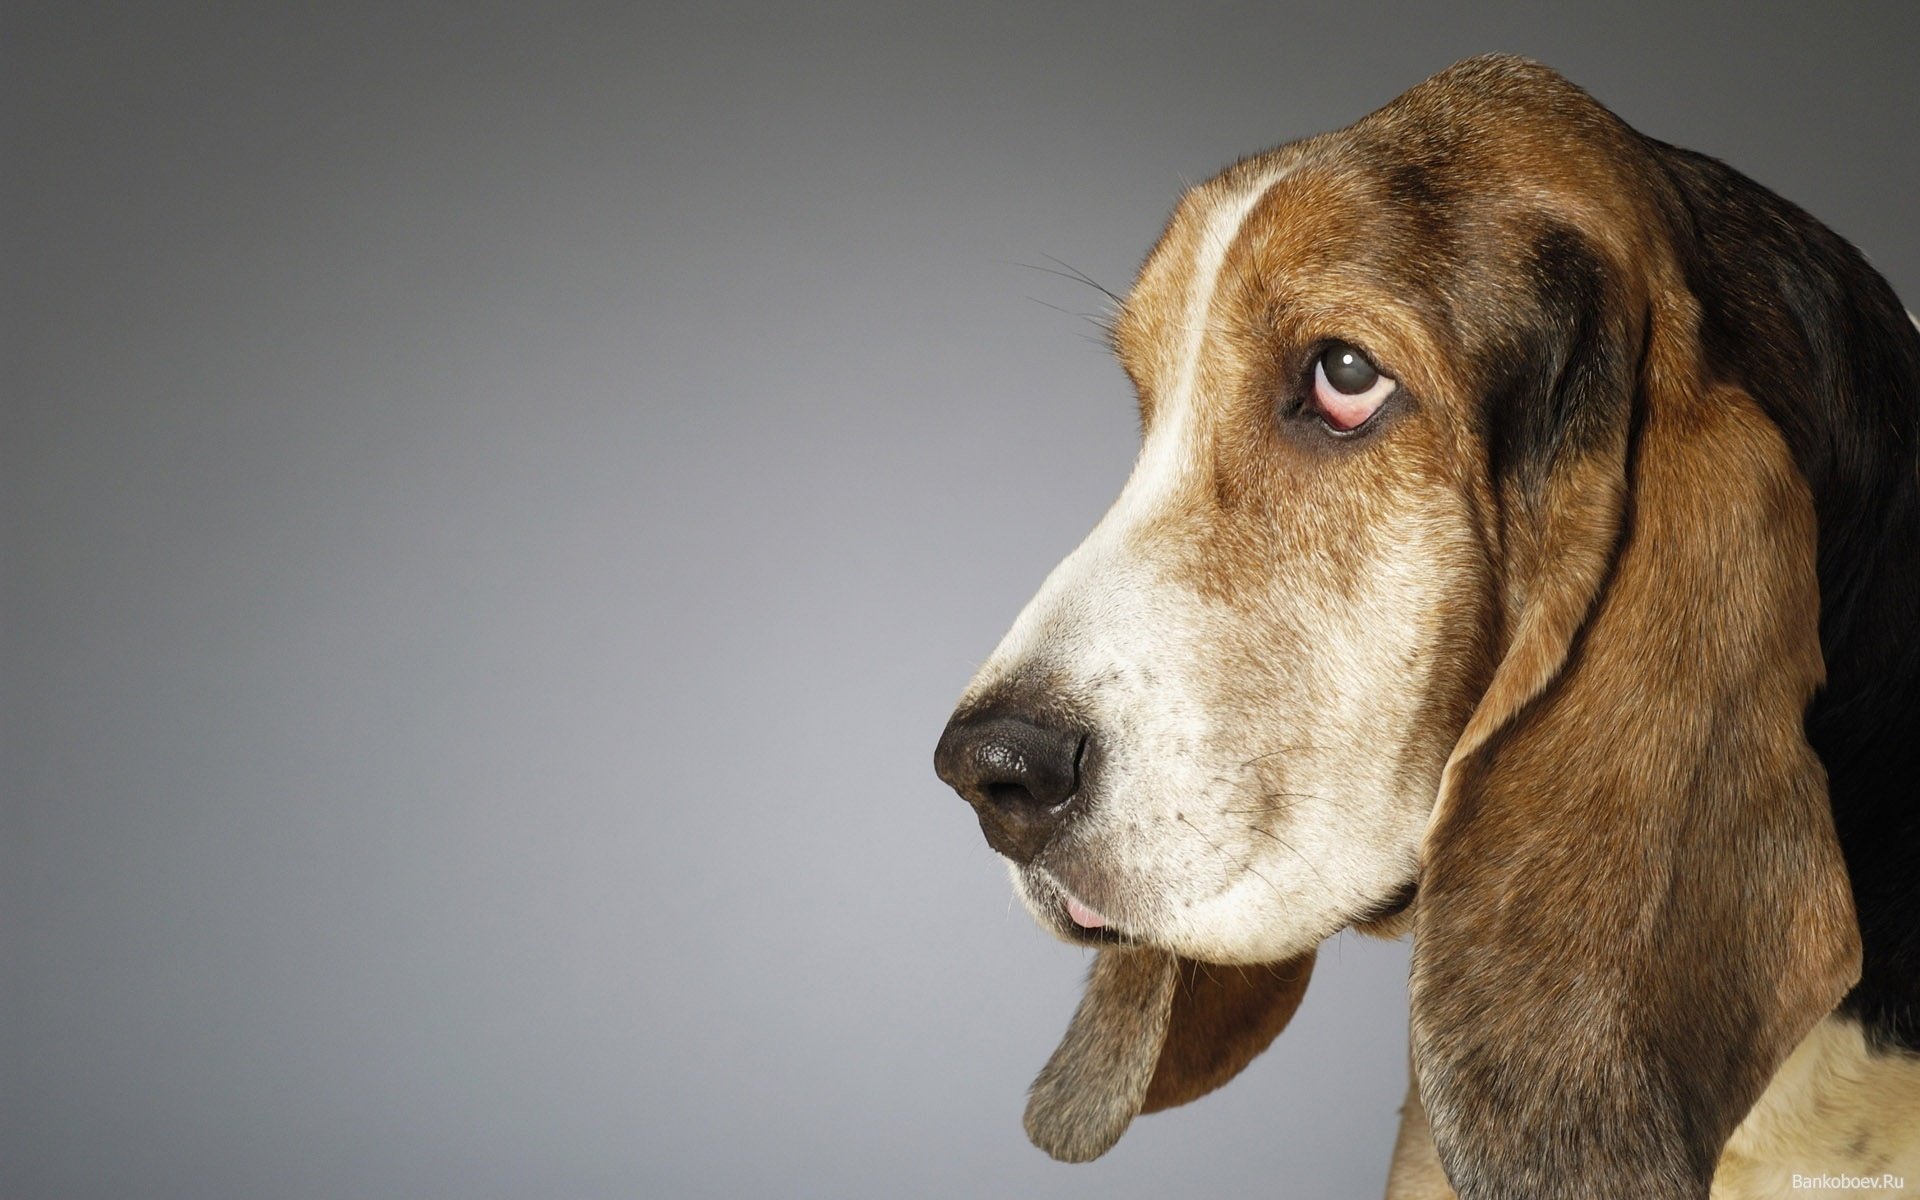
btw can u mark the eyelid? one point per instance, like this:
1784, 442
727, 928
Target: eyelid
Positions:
1344, 413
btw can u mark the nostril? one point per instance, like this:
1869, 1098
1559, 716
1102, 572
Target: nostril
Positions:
1023, 768
1019, 775
1007, 795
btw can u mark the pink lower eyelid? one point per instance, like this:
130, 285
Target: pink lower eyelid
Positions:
1343, 411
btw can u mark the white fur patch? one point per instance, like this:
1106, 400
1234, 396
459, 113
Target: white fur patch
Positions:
1835, 1115
1163, 455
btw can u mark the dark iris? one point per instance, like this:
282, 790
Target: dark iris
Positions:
1348, 370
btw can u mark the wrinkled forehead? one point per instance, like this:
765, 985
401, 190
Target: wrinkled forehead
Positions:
1294, 241
1428, 227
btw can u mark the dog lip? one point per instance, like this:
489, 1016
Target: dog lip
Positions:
1401, 900
1103, 935
1084, 916
1059, 908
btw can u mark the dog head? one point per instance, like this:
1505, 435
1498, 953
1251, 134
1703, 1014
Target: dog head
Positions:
1448, 570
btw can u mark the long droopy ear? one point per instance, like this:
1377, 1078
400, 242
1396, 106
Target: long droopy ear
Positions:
1632, 900
1153, 1031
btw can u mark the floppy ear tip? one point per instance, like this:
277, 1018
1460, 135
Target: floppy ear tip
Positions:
1834, 927
1070, 1127
1092, 1086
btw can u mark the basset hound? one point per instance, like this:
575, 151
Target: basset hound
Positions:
1523, 553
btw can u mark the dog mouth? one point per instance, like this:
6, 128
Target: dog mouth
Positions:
1069, 917
1382, 918
1059, 911
1083, 916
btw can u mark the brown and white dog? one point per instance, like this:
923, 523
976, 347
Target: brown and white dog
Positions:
1524, 552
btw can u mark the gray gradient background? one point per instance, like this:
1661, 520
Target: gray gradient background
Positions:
498, 504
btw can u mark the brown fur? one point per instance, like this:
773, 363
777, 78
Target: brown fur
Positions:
1097, 1078
1633, 903
1222, 1018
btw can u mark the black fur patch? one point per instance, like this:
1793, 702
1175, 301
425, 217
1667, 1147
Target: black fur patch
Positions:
1422, 197
1561, 386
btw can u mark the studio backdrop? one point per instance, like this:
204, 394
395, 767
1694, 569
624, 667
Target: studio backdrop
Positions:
500, 501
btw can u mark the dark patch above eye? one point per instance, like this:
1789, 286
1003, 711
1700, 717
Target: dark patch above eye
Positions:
1348, 370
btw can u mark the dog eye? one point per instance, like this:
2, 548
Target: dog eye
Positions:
1347, 387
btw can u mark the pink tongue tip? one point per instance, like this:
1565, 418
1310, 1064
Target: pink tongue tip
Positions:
1083, 916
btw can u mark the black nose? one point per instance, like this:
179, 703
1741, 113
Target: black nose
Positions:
1020, 776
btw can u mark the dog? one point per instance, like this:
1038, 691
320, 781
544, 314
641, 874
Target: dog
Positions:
1523, 553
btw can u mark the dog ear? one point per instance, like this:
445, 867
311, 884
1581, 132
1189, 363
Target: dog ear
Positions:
1223, 1017
1154, 1031
1632, 898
